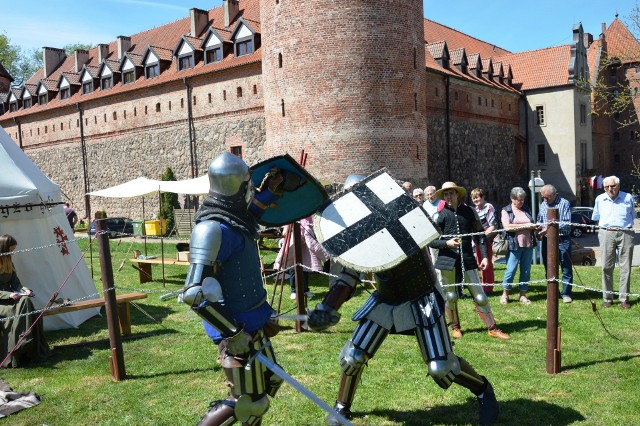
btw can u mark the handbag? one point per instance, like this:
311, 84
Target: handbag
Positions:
500, 245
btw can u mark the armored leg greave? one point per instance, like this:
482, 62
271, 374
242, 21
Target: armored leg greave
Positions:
365, 341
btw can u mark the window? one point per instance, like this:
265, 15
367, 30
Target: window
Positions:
213, 55
106, 83
282, 106
415, 101
115, 115
244, 47
87, 87
185, 62
27, 103
13, 106
65, 93
583, 114
43, 99
152, 70
540, 115
129, 77
158, 107
479, 101
236, 150
541, 153
436, 91
255, 89
209, 97
224, 95
279, 60
239, 92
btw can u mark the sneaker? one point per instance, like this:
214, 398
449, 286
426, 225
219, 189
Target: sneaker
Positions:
607, 304
487, 405
292, 296
625, 304
496, 332
524, 300
456, 333
567, 299
504, 299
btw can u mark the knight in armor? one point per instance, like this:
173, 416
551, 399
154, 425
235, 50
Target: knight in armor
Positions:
224, 285
406, 301
456, 260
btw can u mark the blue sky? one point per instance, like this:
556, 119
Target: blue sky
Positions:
513, 25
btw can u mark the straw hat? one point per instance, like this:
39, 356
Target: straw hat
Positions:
451, 185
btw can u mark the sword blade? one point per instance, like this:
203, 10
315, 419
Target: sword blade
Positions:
275, 368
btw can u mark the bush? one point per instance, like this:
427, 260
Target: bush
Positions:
168, 201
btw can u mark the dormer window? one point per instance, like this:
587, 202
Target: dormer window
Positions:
185, 62
244, 38
65, 93
152, 70
43, 98
213, 47
129, 77
13, 106
87, 87
106, 82
213, 55
244, 47
27, 103
186, 54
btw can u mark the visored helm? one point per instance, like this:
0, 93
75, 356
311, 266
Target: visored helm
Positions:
229, 178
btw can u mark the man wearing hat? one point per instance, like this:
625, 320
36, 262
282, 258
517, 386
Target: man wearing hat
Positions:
456, 260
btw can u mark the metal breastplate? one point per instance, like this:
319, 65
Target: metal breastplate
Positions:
408, 281
241, 279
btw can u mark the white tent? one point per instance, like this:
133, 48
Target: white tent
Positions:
31, 211
144, 186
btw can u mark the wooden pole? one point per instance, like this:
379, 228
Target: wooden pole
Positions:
299, 277
116, 359
553, 330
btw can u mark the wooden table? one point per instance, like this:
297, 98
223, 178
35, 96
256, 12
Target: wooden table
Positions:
144, 266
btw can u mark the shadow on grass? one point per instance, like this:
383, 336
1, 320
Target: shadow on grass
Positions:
519, 411
84, 349
512, 327
576, 366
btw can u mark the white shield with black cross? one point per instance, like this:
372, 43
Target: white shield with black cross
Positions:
374, 225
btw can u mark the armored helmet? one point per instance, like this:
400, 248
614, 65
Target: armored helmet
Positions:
229, 178
352, 180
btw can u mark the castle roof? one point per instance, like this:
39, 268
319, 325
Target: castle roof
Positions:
621, 43
162, 39
537, 69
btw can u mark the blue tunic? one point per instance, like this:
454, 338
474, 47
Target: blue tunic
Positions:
241, 280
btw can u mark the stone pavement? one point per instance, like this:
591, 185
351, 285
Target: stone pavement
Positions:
590, 239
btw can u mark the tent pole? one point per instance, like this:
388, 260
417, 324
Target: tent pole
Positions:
144, 232
164, 284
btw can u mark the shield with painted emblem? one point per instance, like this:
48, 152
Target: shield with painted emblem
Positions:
296, 194
374, 225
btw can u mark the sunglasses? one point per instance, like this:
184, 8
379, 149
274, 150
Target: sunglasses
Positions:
610, 186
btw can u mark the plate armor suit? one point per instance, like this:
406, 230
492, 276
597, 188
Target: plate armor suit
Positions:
406, 301
224, 286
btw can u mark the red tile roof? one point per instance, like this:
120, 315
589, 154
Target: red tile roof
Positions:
434, 32
621, 43
536, 69
163, 39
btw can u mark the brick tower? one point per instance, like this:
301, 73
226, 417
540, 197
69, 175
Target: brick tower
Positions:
345, 81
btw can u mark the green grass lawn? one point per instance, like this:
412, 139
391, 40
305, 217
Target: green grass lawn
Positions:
173, 374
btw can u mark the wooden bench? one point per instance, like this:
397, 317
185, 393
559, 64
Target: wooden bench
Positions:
124, 314
144, 266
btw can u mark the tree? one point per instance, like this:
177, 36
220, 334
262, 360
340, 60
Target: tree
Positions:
169, 201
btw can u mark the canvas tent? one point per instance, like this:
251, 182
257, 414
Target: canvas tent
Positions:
144, 186
31, 210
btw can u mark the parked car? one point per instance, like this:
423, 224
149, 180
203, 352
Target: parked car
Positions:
116, 227
581, 255
580, 218
587, 211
